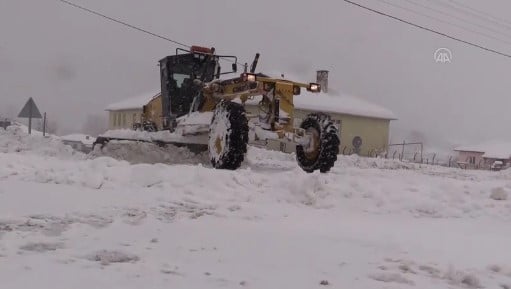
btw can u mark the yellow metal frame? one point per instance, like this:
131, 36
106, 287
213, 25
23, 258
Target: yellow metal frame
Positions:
283, 92
273, 90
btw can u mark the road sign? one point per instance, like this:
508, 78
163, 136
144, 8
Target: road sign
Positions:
30, 111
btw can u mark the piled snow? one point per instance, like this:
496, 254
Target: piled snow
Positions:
85, 139
194, 126
15, 140
428, 191
220, 130
341, 104
24, 128
129, 134
499, 194
133, 103
164, 136
196, 118
106, 257
369, 223
149, 153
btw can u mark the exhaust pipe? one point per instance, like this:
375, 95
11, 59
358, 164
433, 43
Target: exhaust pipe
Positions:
254, 63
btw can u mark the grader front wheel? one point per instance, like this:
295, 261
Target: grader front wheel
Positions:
228, 136
321, 152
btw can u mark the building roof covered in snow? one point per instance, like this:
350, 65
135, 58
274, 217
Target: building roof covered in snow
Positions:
340, 103
331, 102
134, 102
336, 102
491, 150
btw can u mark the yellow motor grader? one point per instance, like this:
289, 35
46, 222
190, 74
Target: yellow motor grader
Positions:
197, 108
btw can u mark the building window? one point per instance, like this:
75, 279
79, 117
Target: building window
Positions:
472, 160
134, 120
112, 117
124, 120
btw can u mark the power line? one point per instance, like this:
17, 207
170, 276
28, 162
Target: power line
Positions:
428, 29
123, 23
446, 22
496, 19
458, 18
463, 9
132, 26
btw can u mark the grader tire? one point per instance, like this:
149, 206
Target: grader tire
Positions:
228, 136
322, 154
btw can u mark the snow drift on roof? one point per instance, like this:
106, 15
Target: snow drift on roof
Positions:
342, 104
133, 102
491, 150
335, 102
325, 102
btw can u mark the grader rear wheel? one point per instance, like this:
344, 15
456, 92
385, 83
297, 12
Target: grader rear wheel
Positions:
228, 136
321, 152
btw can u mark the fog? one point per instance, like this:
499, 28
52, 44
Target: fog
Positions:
74, 64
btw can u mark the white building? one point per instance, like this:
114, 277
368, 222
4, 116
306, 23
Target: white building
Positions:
123, 114
364, 126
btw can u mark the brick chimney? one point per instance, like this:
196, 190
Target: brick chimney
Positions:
322, 79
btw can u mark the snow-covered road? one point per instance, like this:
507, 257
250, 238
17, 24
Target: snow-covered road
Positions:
69, 221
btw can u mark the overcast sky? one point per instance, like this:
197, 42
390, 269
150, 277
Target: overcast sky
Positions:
74, 64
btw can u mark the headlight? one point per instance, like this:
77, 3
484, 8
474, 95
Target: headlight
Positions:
314, 87
250, 77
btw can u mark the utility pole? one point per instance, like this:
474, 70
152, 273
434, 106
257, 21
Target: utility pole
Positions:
44, 124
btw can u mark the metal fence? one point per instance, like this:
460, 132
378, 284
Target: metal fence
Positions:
410, 152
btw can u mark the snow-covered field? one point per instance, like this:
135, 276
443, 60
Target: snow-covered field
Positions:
69, 220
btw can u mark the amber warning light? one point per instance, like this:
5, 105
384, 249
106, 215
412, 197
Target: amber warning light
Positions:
250, 77
201, 49
314, 87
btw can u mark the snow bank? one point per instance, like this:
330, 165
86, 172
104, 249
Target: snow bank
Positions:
77, 137
373, 186
15, 140
149, 153
106, 257
100, 222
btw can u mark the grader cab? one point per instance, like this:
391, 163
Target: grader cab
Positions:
182, 76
